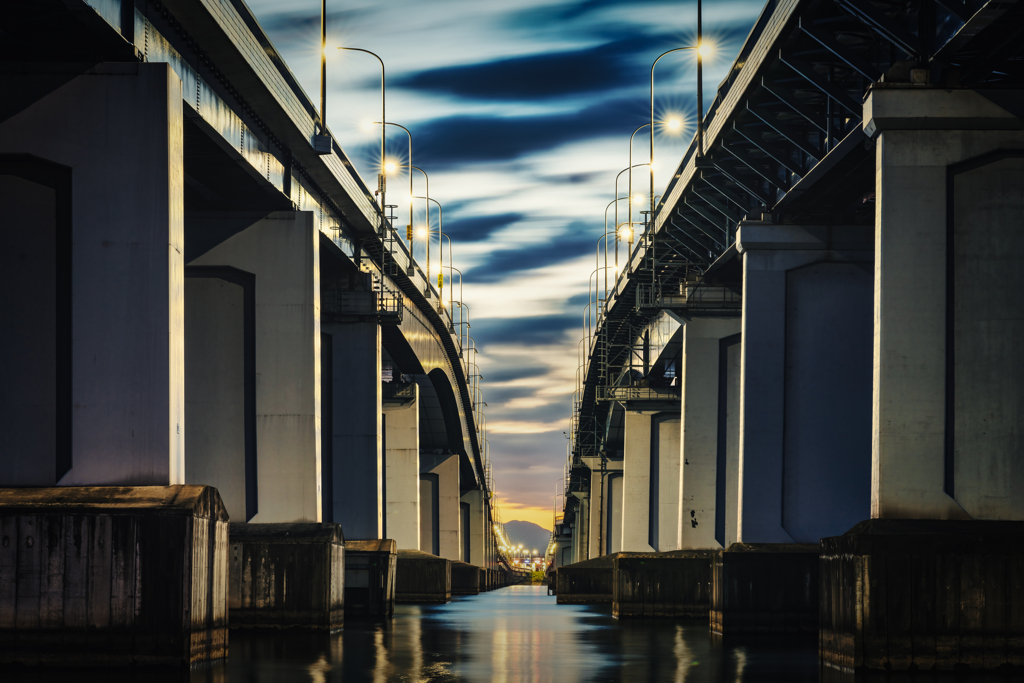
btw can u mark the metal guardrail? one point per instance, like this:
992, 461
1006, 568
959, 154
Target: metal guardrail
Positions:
687, 295
635, 393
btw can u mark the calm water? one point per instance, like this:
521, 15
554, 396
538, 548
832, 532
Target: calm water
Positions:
511, 635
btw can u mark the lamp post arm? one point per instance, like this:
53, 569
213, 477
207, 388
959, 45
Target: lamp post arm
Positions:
383, 118
426, 179
667, 52
410, 167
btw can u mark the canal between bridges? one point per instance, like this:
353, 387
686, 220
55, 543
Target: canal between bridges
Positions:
511, 635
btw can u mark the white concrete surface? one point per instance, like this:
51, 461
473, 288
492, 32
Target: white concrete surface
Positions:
699, 428
215, 389
477, 527
636, 482
119, 127
403, 473
794, 428
604, 534
446, 468
282, 250
666, 507
920, 133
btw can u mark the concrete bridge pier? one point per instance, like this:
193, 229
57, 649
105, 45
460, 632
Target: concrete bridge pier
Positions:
252, 311
402, 464
932, 580
440, 513
709, 425
650, 481
91, 271
581, 528
606, 511
474, 528
805, 419
357, 471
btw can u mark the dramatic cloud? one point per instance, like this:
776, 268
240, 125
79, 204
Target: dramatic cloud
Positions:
535, 77
521, 114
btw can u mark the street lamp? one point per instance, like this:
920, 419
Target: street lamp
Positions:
701, 50
630, 170
321, 140
382, 178
410, 167
440, 229
672, 124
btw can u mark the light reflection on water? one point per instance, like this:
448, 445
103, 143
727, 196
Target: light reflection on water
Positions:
512, 635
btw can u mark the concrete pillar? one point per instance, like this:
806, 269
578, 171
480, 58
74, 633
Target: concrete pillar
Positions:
402, 430
220, 385
665, 480
281, 252
445, 501
477, 527
805, 375
105, 270
938, 565
357, 475
948, 376
581, 529
605, 514
636, 482
709, 428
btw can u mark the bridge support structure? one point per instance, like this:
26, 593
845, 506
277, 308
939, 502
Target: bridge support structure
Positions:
804, 418
605, 519
650, 480
476, 529
356, 400
440, 513
709, 430
402, 465
287, 567
931, 581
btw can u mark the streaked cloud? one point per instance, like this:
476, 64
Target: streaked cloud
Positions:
521, 114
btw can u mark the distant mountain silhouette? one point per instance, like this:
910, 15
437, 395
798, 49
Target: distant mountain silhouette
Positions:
529, 534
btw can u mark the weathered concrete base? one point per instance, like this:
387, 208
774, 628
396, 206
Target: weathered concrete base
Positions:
670, 584
113, 575
287, 575
585, 583
923, 594
422, 578
765, 588
465, 579
370, 568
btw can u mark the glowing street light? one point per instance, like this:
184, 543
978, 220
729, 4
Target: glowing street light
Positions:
390, 168
702, 51
382, 178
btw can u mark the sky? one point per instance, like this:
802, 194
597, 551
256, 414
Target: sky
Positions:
520, 113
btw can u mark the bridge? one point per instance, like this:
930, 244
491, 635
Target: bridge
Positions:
209, 319
800, 398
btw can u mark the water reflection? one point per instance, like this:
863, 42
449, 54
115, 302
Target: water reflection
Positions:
513, 635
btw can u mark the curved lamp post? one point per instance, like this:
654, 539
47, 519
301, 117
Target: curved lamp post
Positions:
382, 177
701, 50
410, 167
440, 228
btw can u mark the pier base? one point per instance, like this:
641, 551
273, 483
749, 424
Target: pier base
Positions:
287, 575
113, 575
765, 588
671, 584
585, 583
423, 578
465, 579
370, 568
923, 594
